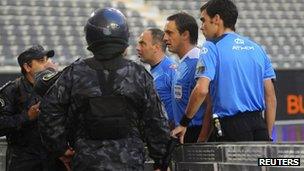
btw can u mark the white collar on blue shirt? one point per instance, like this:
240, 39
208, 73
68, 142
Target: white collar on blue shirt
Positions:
192, 54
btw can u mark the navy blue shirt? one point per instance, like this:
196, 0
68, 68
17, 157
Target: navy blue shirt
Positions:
237, 68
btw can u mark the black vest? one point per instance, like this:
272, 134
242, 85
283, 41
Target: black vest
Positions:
109, 114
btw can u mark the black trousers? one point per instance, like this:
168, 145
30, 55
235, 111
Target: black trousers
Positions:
19, 158
192, 134
248, 126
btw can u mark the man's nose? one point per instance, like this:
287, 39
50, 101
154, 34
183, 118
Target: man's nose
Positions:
137, 48
165, 38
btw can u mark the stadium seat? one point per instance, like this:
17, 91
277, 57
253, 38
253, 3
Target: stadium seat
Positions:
59, 23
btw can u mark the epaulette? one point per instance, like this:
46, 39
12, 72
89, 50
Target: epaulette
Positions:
50, 76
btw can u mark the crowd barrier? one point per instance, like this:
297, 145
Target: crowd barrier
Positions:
237, 156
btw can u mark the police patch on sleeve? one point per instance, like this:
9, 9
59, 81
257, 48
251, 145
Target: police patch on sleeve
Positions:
2, 102
49, 76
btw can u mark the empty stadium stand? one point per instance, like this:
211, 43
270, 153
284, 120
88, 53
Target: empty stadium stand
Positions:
276, 24
58, 25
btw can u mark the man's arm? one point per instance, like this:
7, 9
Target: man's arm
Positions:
271, 104
10, 120
44, 80
156, 128
197, 97
205, 131
53, 116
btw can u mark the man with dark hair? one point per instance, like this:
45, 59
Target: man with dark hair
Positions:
181, 34
151, 49
19, 112
108, 102
240, 77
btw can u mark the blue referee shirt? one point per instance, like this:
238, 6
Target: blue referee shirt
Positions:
237, 68
163, 74
183, 84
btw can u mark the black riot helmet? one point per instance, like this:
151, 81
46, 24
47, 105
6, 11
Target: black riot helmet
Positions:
106, 25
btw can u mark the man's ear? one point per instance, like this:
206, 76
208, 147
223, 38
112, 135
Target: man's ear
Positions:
26, 67
186, 35
156, 47
216, 19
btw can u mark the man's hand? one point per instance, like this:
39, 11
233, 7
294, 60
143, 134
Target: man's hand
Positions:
179, 132
67, 157
34, 111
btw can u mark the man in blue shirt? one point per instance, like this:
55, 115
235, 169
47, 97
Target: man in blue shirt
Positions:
181, 34
240, 77
151, 50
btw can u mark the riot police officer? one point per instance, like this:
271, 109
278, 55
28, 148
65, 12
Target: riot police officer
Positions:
108, 102
19, 112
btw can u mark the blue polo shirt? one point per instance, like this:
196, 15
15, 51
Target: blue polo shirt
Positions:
163, 74
237, 68
183, 84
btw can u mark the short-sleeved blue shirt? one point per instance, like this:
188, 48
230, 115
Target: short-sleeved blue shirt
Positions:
163, 75
183, 84
237, 68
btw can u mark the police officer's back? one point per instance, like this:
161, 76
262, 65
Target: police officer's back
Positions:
108, 103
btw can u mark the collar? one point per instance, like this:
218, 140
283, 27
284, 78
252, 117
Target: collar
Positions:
192, 54
162, 60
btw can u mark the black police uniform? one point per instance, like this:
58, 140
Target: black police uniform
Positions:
44, 80
107, 102
25, 150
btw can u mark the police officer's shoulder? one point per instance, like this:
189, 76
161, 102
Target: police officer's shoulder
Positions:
6, 85
72, 65
137, 66
8, 91
131, 63
77, 61
46, 75
50, 76
2, 99
11, 84
128, 61
144, 72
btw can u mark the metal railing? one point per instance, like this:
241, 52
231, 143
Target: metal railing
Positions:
236, 156
242, 156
